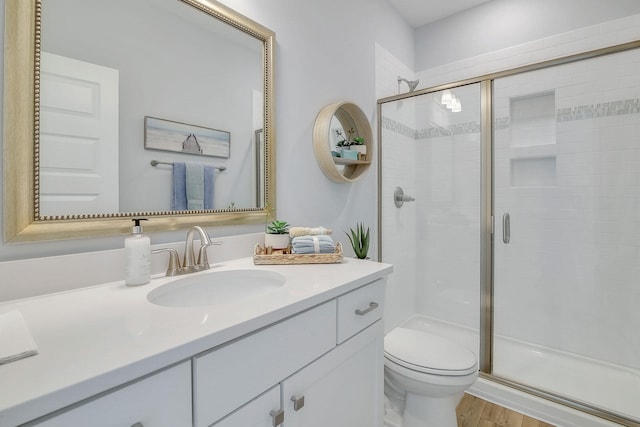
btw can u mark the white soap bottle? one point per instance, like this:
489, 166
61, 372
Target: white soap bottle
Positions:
137, 248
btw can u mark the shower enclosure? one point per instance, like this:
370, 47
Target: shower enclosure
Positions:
523, 241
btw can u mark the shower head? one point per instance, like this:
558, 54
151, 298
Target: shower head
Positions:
411, 83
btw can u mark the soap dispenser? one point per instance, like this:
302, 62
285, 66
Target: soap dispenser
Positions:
137, 248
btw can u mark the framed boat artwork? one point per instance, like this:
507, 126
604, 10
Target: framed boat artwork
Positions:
168, 135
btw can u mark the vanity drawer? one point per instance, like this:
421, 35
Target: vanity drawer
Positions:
161, 400
360, 308
227, 377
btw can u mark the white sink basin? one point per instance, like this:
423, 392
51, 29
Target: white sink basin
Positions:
216, 288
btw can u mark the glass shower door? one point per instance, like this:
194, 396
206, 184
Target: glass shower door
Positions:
567, 231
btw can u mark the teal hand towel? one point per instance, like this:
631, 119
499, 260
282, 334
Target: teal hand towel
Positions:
195, 186
209, 181
179, 199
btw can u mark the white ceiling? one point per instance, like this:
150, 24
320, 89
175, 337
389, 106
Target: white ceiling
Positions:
421, 12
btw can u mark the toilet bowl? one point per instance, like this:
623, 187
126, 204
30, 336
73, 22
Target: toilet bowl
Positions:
431, 371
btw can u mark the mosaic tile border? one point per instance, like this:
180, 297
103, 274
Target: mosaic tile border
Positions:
595, 111
569, 114
430, 132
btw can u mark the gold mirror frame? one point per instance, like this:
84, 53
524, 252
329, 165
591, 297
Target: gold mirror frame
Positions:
22, 222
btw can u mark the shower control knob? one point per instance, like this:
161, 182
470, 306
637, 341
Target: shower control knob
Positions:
399, 197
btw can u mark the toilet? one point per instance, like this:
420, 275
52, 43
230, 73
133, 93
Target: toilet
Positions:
428, 373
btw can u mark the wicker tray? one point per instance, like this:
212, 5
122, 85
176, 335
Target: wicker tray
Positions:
280, 258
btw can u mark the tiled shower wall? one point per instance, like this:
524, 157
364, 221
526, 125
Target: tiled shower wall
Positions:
448, 208
594, 37
434, 155
398, 233
568, 278
567, 170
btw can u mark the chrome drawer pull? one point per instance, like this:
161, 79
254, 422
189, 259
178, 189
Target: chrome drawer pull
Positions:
372, 306
298, 402
278, 417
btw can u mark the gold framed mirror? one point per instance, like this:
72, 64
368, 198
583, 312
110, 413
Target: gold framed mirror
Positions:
24, 217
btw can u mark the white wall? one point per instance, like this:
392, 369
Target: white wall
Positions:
499, 24
324, 53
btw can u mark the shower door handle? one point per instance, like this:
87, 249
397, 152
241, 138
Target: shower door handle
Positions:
506, 228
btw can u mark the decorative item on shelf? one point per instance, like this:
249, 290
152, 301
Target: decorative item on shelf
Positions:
359, 239
277, 235
349, 154
359, 145
350, 144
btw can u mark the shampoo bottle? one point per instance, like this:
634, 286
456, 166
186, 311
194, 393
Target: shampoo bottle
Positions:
137, 248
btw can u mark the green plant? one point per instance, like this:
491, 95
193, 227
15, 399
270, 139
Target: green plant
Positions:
359, 239
347, 142
278, 227
358, 140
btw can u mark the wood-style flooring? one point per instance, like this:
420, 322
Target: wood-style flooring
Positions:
475, 412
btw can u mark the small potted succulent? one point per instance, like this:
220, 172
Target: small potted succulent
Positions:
350, 146
359, 239
277, 235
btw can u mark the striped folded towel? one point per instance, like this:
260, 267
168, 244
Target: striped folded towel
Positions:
321, 244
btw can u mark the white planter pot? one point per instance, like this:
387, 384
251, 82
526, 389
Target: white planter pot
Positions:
276, 241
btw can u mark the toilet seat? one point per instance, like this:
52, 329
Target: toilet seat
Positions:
425, 352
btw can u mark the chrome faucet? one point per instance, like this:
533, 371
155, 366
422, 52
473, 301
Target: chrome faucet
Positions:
189, 263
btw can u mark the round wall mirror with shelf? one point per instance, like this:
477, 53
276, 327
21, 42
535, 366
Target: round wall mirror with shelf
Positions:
335, 122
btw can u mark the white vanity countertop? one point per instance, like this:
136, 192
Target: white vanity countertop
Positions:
93, 339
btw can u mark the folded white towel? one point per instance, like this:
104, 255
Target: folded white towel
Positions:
308, 231
16, 341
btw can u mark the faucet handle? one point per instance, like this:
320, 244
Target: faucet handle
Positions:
174, 261
203, 259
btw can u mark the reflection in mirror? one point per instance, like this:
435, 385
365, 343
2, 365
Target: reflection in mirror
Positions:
96, 69
336, 134
98, 85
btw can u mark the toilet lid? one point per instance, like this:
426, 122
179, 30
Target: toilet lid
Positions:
426, 352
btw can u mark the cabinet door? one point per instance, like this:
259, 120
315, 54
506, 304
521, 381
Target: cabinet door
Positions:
228, 377
260, 412
344, 388
161, 400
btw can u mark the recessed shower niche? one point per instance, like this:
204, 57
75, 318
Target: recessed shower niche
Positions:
533, 139
533, 119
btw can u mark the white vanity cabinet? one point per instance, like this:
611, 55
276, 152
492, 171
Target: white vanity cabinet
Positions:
327, 360
342, 389
308, 355
228, 377
160, 400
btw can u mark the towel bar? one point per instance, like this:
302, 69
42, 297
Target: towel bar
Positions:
156, 163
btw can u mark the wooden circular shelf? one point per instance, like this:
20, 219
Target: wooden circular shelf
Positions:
350, 116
